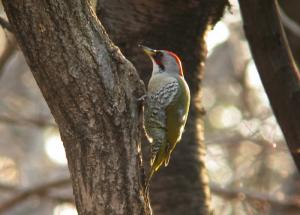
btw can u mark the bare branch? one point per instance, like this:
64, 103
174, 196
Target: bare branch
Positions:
242, 194
276, 66
60, 198
39, 190
9, 50
7, 188
6, 25
26, 121
289, 23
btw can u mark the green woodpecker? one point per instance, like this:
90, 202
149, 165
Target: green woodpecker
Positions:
166, 107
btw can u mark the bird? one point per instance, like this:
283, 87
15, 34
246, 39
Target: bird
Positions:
166, 107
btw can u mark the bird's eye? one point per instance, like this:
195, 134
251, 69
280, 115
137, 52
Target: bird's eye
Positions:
158, 55
158, 59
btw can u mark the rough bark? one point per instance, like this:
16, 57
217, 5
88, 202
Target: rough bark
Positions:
178, 26
91, 90
276, 67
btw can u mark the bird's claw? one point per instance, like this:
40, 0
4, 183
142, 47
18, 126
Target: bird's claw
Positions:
142, 98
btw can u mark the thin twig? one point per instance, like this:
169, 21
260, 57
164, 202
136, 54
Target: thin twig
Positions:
289, 23
242, 194
6, 25
8, 188
10, 48
26, 121
39, 190
60, 198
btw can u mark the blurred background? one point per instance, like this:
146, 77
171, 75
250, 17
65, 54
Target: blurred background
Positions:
250, 169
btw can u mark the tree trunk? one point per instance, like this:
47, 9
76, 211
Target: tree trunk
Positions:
290, 185
178, 26
276, 66
91, 90
291, 9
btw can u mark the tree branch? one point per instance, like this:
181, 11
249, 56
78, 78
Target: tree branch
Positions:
288, 22
38, 190
9, 50
276, 67
242, 194
6, 25
7, 188
39, 122
91, 90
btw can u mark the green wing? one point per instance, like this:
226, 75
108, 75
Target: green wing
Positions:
177, 113
156, 120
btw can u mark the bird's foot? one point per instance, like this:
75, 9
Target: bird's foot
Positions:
142, 98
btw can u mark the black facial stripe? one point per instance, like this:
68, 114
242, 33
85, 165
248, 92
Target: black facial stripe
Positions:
158, 59
162, 67
157, 56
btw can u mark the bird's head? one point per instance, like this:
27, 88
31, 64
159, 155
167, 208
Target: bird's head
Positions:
164, 61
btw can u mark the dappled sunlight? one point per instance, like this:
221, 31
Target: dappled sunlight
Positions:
249, 127
54, 148
257, 93
250, 168
217, 164
224, 116
252, 76
209, 97
9, 173
216, 36
270, 131
247, 158
65, 209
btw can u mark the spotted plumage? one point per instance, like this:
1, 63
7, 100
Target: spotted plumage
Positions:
155, 115
166, 107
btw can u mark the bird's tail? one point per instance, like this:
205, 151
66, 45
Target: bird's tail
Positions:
156, 162
151, 173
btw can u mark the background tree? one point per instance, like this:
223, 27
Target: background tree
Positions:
243, 140
78, 68
180, 27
